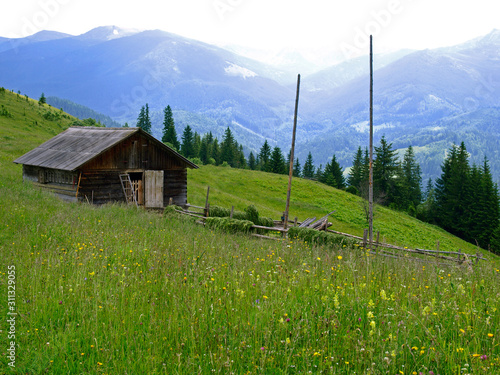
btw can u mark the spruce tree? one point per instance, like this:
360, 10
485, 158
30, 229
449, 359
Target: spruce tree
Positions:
252, 163
356, 172
384, 170
169, 132
452, 188
147, 121
143, 120
333, 174
277, 161
486, 213
410, 189
308, 171
264, 156
196, 145
187, 146
297, 171
228, 148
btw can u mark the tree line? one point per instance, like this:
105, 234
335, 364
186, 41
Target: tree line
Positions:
464, 200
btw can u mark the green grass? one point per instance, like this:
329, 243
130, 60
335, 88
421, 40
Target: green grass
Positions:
116, 290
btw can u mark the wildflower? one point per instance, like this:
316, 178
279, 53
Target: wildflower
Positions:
490, 335
265, 297
383, 295
339, 257
287, 340
484, 357
369, 315
373, 324
316, 354
336, 302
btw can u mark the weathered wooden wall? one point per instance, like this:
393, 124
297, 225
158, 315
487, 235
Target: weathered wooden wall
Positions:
99, 187
134, 154
62, 183
175, 187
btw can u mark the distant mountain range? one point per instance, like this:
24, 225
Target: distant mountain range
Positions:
428, 99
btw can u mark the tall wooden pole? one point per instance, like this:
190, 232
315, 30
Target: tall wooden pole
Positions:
370, 178
292, 151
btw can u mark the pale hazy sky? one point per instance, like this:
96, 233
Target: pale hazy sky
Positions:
268, 24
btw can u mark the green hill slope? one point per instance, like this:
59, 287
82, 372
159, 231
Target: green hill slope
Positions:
25, 124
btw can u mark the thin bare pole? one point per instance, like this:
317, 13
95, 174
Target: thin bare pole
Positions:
370, 178
292, 151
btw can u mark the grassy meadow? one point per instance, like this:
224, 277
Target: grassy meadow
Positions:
117, 290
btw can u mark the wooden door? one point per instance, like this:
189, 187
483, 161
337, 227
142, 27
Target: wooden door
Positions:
153, 189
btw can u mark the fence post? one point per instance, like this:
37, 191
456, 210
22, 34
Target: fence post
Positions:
206, 202
232, 211
365, 236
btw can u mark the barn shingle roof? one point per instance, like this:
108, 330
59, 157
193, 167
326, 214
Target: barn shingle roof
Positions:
76, 146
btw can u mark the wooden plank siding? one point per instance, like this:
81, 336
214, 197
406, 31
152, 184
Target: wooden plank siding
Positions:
134, 154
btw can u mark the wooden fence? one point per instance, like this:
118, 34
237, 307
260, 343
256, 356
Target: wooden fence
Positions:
377, 247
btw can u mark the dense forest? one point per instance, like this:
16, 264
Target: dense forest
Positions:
464, 200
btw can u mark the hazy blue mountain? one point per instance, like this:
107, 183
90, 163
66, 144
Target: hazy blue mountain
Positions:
427, 98
117, 76
41, 36
421, 92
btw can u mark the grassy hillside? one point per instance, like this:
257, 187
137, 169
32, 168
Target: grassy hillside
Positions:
117, 290
267, 192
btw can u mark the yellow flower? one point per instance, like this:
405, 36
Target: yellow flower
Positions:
339, 257
265, 297
490, 334
369, 315
383, 295
476, 355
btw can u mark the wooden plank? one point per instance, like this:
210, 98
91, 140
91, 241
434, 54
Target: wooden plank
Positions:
306, 222
153, 189
191, 205
270, 228
189, 214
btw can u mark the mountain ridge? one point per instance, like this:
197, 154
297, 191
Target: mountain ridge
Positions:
115, 72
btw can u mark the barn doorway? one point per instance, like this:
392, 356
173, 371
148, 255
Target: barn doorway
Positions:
137, 186
153, 189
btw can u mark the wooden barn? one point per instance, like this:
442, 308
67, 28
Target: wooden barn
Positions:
100, 165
